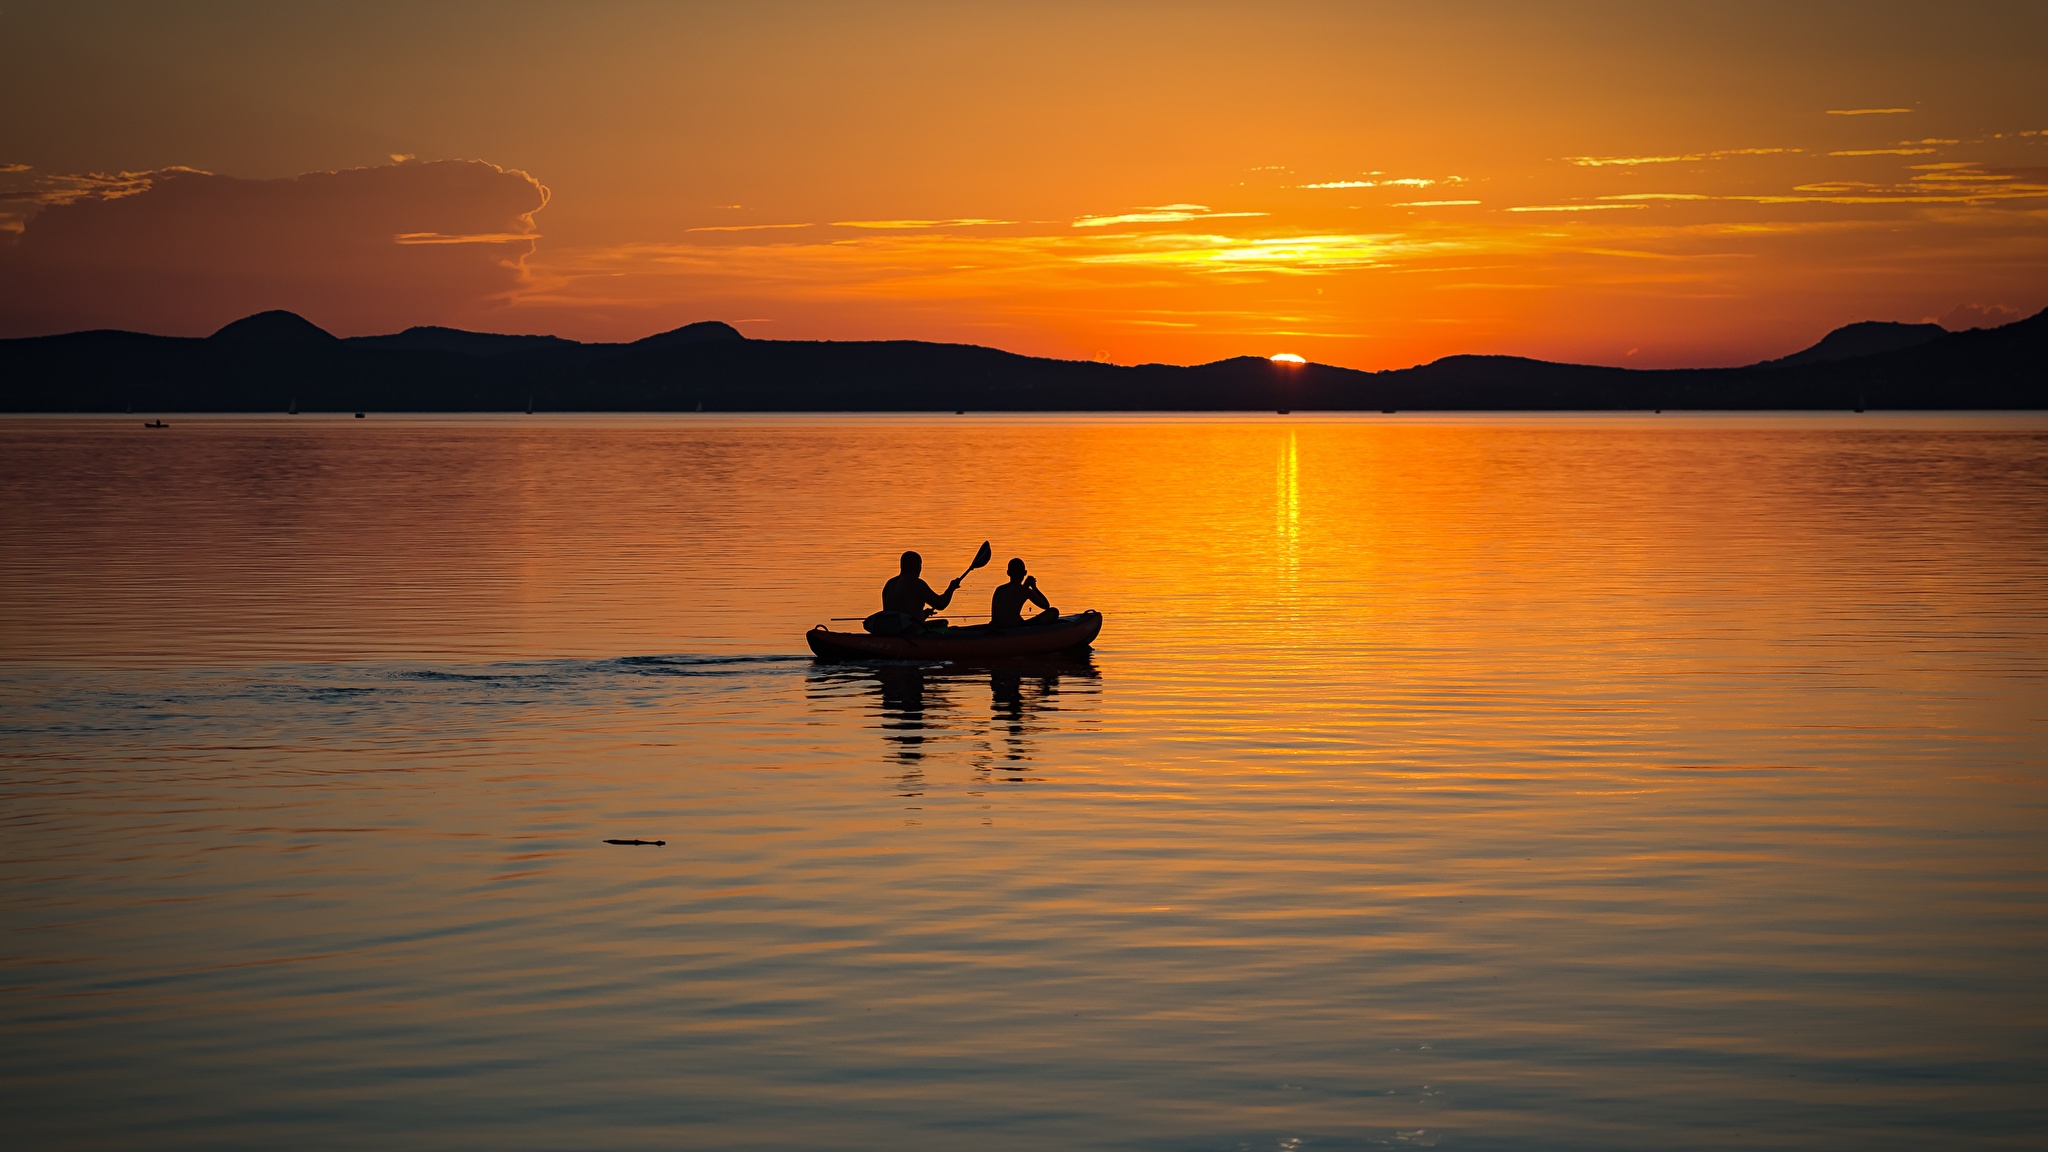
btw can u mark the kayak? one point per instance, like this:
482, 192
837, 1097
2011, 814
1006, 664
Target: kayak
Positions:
979, 641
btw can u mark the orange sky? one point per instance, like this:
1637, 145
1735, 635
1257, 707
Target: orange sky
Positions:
1364, 184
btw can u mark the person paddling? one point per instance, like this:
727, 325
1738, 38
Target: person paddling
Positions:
1006, 605
907, 600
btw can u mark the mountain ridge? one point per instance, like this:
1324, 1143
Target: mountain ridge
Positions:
272, 361
1863, 338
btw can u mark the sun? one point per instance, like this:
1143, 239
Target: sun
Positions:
1288, 358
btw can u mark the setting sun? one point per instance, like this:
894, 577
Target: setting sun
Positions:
1288, 358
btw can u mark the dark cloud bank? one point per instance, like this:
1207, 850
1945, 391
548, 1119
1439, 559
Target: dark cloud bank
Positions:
182, 252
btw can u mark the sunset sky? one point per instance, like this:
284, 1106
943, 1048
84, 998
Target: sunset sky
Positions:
1373, 185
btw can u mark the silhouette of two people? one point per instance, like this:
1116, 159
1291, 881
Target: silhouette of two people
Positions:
908, 602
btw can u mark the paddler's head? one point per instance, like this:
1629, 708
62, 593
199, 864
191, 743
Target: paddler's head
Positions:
912, 564
1016, 568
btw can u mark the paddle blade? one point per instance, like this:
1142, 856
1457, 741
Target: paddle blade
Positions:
980, 558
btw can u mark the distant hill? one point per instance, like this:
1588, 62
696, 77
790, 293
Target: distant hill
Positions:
268, 362
1865, 338
274, 327
702, 332
432, 339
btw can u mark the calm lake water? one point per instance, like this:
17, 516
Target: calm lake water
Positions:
1487, 783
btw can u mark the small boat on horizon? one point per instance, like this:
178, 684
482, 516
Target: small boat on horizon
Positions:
1071, 633
154, 424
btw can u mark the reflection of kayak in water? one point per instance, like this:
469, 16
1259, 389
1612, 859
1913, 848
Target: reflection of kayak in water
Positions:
979, 641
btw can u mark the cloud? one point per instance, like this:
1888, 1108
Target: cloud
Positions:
1160, 214
1435, 203
1964, 316
473, 238
1609, 161
45, 191
900, 225
1397, 182
1685, 158
1570, 207
1868, 111
1944, 182
745, 227
177, 250
1297, 255
1882, 152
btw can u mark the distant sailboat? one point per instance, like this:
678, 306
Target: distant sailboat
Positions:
529, 403
293, 410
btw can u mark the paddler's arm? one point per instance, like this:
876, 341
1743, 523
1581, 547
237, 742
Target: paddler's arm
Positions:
940, 600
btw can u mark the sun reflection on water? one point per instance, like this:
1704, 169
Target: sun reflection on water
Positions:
1287, 514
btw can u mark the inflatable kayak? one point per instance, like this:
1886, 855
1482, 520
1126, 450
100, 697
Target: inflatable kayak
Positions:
977, 642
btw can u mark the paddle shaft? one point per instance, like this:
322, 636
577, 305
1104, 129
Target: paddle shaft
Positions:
949, 615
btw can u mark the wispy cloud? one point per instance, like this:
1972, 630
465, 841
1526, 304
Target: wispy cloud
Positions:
900, 225
1631, 161
1948, 182
4, 168
1298, 255
467, 238
1435, 203
1882, 152
1868, 111
1397, 182
49, 191
1570, 207
745, 227
1160, 214
1683, 158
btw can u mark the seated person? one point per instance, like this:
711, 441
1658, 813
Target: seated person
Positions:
1006, 607
907, 599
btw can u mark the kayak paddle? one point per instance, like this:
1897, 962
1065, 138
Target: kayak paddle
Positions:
980, 558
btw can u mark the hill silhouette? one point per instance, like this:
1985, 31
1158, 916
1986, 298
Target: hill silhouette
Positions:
274, 327
434, 339
265, 362
1865, 338
702, 332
